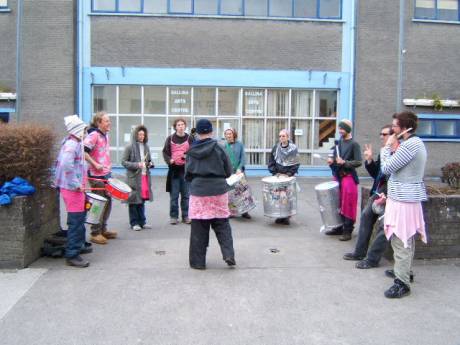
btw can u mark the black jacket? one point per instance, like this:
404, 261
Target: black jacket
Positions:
380, 180
207, 166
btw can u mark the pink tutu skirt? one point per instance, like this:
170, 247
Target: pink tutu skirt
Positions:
404, 219
208, 207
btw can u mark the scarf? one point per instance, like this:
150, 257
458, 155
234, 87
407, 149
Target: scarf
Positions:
287, 156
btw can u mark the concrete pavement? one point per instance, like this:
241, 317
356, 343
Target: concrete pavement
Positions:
140, 290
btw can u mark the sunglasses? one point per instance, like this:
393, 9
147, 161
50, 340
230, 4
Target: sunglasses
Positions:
384, 134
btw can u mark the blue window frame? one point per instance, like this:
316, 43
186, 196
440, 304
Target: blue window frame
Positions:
445, 10
311, 9
436, 126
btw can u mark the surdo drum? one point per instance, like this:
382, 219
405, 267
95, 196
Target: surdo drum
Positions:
118, 189
240, 198
328, 195
94, 205
280, 196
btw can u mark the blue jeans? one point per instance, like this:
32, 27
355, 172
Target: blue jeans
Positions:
137, 214
75, 233
178, 186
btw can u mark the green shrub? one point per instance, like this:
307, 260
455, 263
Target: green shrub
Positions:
26, 151
451, 174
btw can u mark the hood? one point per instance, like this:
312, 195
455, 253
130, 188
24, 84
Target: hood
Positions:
136, 130
202, 149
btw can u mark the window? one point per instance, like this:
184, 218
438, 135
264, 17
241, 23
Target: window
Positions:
3, 3
437, 9
322, 9
204, 101
439, 126
180, 101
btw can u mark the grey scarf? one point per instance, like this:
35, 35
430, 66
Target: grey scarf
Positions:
287, 156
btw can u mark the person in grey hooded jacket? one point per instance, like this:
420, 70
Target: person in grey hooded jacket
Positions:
206, 168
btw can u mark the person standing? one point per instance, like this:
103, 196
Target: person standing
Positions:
136, 159
284, 160
207, 167
70, 178
405, 164
174, 153
235, 151
371, 258
97, 154
346, 158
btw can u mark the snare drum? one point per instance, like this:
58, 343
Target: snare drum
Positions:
240, 198
328, 195
118, 189
95, 205
280, 196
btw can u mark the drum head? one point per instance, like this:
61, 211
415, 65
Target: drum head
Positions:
276, 179
327, 185
95, 196
119, 185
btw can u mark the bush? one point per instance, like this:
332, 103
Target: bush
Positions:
26, 151
451, 174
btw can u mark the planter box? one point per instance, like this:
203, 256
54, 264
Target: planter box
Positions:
442, 221
24, 225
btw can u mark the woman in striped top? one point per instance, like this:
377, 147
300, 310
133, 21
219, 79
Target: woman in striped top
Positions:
405, 163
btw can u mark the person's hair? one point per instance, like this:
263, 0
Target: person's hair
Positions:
285, 131
234, 132
143, 129
407, 119
97, 118
386, 127
180, 119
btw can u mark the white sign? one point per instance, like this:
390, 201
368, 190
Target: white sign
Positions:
127, 137
298, 131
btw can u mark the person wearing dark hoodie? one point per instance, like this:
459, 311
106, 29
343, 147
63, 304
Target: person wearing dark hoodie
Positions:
137, 160
206, 168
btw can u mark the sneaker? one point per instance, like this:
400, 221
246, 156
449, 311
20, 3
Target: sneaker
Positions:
187, 220
365, 264
146, 226
230, 261
77, 261
391, 274
173, 221
335, 231
98, 239
137, 227
110, 235
352, 257
346, 236
398, 290
246, 215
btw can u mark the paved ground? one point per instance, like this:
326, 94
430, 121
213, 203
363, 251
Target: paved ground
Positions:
140, 290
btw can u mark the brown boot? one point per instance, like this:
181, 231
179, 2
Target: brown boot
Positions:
110, 235
346, 236
98, 239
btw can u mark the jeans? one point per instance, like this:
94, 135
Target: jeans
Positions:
75, 233
102, 227
366, 226
179, 186
199, 239
137, 214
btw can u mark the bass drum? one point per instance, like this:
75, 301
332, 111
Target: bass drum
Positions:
280, 196
328, 195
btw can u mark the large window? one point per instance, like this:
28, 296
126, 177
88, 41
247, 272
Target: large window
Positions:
321, 9
447, 10
439, 127
3, 3
258, 114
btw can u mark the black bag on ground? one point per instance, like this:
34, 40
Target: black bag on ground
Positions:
52, 249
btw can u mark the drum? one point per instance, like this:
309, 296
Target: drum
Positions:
240, 198
94, 205
328, 195
118, 189
280, 196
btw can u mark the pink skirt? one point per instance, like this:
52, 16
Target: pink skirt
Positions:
404, 219
208, 207
145, 195
348, 197
74, 201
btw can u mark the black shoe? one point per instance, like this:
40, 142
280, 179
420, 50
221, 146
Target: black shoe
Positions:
86, 250
346, 236
365, 264
353, 257
87, 244
391, 274
77, 261
278, 220
196, 267
285, 221
246, 215
230, 261
335, 231
398, 290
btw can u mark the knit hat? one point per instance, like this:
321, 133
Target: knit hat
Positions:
75, 125
203, 126
346, 125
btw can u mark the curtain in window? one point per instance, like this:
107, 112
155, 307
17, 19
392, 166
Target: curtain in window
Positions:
253, 133
253, 102
301, 103
278, 103
273, 129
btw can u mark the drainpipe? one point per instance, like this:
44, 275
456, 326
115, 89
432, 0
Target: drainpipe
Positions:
18, 59
401, 52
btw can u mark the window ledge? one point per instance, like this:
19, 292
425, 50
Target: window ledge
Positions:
5, 10
428, 102
435, 21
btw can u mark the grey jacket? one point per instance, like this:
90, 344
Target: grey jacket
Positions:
207, 166
130, 160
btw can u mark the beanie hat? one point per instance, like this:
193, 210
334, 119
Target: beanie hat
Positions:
346, 125
75, 125
203, 126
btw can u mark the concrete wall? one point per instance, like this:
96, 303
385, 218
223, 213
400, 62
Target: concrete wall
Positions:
48, 66
215, 43
8, 47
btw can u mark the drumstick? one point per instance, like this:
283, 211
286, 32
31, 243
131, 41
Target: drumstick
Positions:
316, 155
404, 132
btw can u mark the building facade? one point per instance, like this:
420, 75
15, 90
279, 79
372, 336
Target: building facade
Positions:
255, 65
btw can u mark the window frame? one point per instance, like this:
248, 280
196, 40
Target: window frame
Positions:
436, 13
435, 119
220, 12
4, 7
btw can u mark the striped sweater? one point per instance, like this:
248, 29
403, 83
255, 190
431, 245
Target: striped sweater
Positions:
406, 168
